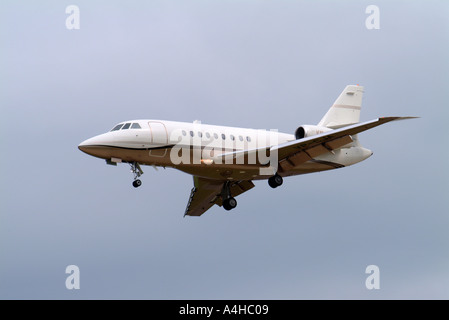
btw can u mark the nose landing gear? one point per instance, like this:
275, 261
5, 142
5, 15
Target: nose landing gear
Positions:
137, 183
137, 172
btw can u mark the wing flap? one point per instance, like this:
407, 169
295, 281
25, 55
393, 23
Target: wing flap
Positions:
288, 163
202, 196
295, 160
207, 192
317, 150
339, 142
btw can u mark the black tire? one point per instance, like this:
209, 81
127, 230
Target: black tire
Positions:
278, 179
232, 202
275, 181
137, 183
271, 183
229, 204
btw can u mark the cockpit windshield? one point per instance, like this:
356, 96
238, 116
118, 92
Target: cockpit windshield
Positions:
127, 125
117, 127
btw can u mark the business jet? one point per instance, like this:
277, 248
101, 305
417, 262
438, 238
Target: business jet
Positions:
224, 161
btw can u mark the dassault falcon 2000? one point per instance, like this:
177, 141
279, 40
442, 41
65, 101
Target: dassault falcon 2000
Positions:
225, 160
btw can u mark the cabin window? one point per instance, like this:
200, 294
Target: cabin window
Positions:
223, 136
191, 133
135, 126
200, 134
232, 137
117, 127
126, 126
240, 138
215, 136
248, 139
207, 135
184, 132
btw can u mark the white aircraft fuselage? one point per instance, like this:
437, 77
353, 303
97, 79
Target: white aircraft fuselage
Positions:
152, 144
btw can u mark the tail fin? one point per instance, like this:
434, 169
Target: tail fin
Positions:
345, 110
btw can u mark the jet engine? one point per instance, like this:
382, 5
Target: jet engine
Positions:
309, 130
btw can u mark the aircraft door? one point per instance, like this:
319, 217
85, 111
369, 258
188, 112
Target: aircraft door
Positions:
159, 138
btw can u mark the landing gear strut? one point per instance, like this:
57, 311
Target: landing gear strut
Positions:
229, 202
137, 172
275, 181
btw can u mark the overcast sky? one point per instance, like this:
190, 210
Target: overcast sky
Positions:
257, 64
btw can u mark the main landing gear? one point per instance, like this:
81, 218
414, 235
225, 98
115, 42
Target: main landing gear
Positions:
275, 181
137, 172
229, 202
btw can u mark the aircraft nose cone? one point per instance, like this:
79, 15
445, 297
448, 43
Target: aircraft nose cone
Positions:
98, 146
82, 148
85, 145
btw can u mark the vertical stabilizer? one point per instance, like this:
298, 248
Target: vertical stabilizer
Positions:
345, 110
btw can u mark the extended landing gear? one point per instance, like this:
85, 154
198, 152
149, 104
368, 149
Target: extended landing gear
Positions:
137, 183
229, 202
137, 172
275, 181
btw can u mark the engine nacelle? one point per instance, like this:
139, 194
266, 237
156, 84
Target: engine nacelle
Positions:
309, 130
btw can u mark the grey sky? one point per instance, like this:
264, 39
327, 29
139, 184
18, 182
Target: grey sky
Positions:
258, 64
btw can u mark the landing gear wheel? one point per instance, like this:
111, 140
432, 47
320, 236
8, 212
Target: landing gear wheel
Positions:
229, 203
137, 183
137, 172
275, 181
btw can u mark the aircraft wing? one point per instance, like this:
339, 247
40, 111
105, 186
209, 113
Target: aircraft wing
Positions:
295, 152
330, 140
207, 192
